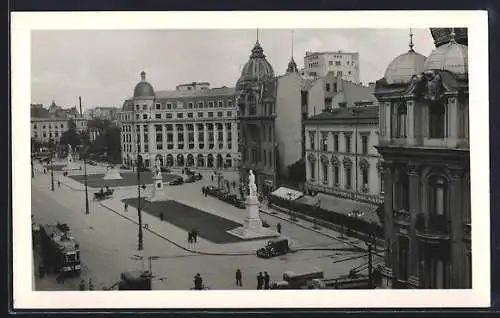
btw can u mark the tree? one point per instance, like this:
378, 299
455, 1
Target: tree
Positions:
70, 136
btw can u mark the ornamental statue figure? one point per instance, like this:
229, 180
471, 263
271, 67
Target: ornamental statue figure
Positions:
157, 167
251, 184
69, 148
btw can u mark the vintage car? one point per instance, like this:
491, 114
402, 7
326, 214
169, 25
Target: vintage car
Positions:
274, 248
176, 181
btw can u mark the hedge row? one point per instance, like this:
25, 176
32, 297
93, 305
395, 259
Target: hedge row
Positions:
342, 220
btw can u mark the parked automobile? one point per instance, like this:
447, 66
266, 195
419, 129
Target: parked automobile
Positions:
92, 163
264, 223
176, 181
274, 248
198, 176
165, 169
190, 179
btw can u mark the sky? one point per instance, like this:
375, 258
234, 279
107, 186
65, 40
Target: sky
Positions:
103, 66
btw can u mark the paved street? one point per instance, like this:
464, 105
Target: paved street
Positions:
108, 240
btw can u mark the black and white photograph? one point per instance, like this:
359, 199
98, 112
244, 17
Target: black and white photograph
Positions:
250, 160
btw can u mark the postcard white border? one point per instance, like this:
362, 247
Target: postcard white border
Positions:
476, 21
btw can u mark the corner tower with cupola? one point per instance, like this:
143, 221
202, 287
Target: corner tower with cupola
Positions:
424, 142
256, 96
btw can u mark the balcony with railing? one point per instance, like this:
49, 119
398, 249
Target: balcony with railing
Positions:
435, 229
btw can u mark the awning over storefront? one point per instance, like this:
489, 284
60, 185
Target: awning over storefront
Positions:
365, 211
287, 194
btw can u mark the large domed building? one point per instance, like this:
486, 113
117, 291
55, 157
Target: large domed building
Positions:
424, 142
256, 94
192, 126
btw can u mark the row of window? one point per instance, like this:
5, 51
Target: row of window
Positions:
189, 105
210, 161
180, 137
180, 127
44, 134
254, 156
180, 146
50, 126
336, 137
181, 115
363, 170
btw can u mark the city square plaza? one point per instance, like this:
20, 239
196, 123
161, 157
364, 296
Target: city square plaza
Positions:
108, 235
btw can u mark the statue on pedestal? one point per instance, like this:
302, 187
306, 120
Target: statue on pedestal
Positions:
251, 184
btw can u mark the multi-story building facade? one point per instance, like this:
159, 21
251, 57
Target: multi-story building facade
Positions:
192, 126
344, 64
341, 158
424, 141
256, 91
46, 126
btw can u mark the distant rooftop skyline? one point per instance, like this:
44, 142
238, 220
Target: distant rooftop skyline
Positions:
103, 66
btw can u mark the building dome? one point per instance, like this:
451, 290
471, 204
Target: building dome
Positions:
452, 57
257, 68
442, 35
143, 88
403, 67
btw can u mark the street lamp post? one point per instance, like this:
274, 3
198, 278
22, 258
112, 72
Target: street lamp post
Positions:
140, 240
87, 211
355, 110
52, 169
32, 169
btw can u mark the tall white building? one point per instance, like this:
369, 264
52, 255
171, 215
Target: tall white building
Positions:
192, 126
344, 64
46, 125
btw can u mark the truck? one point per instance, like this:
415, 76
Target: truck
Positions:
361, 282
135, 279
59, 249
298, 280
274, 248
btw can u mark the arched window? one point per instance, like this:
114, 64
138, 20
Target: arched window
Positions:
438, 196
312, 166
364, 167
437, 120
336, 170
401, 192
348, 173
402, 120
200, 160
180, 160
210, 161
324, 165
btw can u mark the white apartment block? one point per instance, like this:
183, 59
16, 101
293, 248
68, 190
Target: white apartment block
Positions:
344, 64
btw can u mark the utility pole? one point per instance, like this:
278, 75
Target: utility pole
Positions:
370, 242
80, 101
140, 244
32, 169
356, 151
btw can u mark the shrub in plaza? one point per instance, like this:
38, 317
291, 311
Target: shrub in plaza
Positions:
356, 224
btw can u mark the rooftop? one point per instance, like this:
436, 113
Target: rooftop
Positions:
221, 91
366, 112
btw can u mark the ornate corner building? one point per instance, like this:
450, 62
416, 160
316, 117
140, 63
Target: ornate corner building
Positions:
424, 142
256, 100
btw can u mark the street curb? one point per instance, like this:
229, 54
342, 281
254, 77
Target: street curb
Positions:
311, 229
174, 243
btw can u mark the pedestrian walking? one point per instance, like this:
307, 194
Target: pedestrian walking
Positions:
278, 227
234, 184
161, 216
260, 280
126, 206
266, 280
190, 237
195, 236
91, 286
58, 183
82, 284
238, 277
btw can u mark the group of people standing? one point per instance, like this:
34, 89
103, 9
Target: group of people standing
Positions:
263, 280
192, 236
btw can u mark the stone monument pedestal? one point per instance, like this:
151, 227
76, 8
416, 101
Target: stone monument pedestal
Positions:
112, 174
70, 164
252, 227
157, 193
